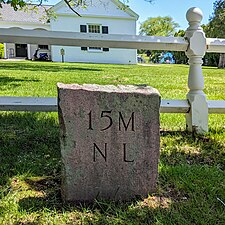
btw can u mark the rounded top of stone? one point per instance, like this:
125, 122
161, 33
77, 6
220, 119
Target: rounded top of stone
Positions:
141, 89
194, 14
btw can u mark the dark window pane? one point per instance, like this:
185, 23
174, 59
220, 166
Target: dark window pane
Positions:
105, 29
43, 47
83, 28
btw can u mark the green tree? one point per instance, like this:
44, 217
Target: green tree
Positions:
1, 50
210, 59
158, 26
180, 57
216, 26
19, 4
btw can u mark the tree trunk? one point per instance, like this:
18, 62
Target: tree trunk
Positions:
221, 61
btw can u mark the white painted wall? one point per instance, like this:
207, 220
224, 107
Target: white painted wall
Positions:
114, 56
33, 49
118, 22
72, 24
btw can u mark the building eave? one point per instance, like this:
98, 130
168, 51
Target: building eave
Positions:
57, 6
96, 16
127, 9
17, 23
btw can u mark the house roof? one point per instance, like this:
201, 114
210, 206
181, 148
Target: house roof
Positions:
31, 14
126, 9
36, 15
118, 3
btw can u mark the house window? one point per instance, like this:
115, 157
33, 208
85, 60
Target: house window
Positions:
95, 48
45, 47
94, 28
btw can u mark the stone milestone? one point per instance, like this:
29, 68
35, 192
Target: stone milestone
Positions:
109, 141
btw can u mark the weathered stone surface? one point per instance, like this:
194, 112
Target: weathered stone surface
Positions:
109, 141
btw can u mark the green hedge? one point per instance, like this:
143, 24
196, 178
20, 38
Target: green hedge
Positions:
1, 50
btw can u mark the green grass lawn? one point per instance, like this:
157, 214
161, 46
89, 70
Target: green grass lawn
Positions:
191, 168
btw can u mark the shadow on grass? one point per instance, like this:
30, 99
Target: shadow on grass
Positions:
5, 80
190, 176
14, 82
184, 147
29, 144
40, 67
210, 68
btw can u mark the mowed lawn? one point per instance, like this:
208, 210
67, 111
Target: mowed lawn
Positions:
191, 184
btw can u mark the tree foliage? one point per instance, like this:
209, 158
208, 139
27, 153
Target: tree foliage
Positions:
72, 4
1, 50
210, 59
180, 57
158, 26
216, 26
216, 29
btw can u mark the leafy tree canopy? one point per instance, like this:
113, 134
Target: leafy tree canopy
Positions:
179, 33
216, 26
18, 4
158, 26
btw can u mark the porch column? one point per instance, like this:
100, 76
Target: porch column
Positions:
29, 51
5, 51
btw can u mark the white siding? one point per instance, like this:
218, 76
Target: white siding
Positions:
114, 56
115, 26
72, 24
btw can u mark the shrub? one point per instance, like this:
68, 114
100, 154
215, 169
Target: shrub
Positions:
1, 50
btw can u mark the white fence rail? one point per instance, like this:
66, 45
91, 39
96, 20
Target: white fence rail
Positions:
195, 44
17, 35
215, 45
50, 105
32, 104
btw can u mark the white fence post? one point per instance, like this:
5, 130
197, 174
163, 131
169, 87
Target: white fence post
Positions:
197, 117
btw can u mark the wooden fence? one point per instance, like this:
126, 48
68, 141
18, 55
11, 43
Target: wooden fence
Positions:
194, 44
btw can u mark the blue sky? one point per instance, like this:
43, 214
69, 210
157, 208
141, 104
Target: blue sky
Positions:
175, 8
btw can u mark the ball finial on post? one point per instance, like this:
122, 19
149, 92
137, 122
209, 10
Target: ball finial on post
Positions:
194, 17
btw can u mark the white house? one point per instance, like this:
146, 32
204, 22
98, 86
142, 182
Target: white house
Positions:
105, 17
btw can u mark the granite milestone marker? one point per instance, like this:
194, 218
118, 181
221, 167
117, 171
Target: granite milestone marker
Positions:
109, 141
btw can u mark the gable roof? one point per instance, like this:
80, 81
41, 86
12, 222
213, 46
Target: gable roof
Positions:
117, 3
8, 14
127, 9
31, 15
